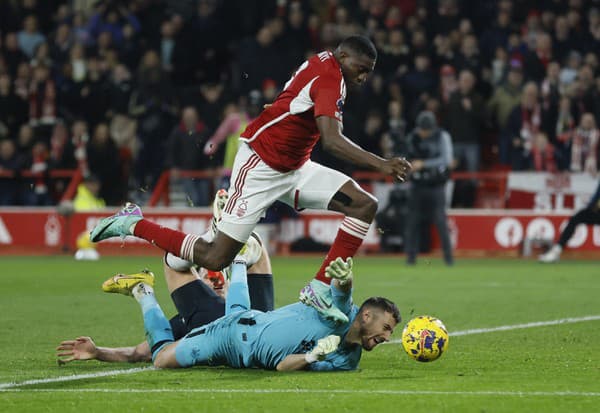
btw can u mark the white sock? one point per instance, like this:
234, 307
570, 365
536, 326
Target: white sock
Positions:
141, 290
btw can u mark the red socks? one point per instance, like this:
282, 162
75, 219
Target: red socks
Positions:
347, 241
170, 240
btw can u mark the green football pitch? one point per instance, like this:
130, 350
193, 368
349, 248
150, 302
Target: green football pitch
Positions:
546, 356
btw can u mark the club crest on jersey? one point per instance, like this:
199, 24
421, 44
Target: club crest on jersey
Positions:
340, 108
242, 208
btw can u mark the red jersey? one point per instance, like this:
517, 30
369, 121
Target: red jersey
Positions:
285, 133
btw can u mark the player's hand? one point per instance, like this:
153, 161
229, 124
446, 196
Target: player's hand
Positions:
399, 168
340, 270
324, 346
82, 348
210, 148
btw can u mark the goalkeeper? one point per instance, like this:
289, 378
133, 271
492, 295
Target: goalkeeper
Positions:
294, 337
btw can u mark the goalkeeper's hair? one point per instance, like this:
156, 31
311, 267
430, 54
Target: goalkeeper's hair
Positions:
382, 304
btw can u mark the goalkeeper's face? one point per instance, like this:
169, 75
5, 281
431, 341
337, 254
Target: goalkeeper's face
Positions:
376, 327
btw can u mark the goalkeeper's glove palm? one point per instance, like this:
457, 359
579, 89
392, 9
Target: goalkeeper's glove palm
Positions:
340, 270
324, 346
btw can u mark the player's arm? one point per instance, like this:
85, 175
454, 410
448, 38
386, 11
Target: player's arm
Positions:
340, 146
301, 361
84, 348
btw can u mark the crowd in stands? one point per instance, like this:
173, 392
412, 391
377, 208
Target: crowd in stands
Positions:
125, 89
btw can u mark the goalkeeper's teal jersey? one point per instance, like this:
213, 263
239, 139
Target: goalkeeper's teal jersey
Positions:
256, 339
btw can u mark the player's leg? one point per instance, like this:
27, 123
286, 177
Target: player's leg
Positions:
584, 216
438, 203
196, 302
158, 330
319, 187
238, 298
260, 283
412, 233
255, 187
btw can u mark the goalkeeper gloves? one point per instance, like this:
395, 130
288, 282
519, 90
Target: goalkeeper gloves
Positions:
324, 346
340, 270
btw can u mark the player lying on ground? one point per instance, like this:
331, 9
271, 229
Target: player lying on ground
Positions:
293, 337
273, 163
198, 295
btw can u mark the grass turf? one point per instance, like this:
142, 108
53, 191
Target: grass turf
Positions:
46, 300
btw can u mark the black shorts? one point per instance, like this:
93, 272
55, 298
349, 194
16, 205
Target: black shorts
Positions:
197, 305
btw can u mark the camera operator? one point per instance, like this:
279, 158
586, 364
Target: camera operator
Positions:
429, 149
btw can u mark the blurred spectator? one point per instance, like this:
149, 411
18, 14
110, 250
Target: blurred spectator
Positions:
111, 17
81, 32
236, 119
536, 60
103, 161
551, 87
463, 120
394, 58
78, 63
12, 53
25, 142
468, 58
569, 72
506, 96
41, 56
87, 197
524, 122
42, 100
562, 128
420, 82
152, 105
562, 41
62, 152
79, 141
448, 83
584, 145
119, 91
35, 190
13, 109
543, 154
258, 58
496, 35
167, 44
370, 138
500, 65
185, 153
29, 37
393, 141
9, 163
61, 44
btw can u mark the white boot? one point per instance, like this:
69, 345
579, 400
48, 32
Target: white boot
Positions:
552, 255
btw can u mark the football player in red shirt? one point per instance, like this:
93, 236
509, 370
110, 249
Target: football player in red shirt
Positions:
273, 163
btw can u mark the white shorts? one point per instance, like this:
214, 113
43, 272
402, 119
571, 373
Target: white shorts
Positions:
255, 186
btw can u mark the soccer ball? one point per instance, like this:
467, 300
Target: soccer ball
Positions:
425, 338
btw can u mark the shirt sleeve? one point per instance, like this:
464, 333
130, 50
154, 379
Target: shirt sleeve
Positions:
341, 300
326, 93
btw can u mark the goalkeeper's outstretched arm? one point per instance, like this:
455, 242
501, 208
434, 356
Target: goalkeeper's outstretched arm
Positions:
301, 361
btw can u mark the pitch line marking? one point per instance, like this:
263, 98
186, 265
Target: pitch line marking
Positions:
569, 320
317, 391
14, 385
4, 386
